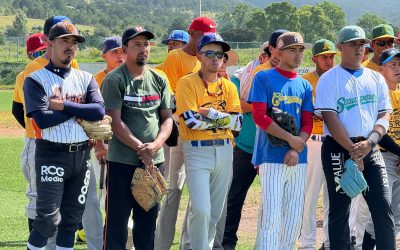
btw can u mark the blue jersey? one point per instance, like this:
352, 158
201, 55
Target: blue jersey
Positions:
290, 95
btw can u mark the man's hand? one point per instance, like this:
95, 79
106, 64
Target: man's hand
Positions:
100, 150
291, 158
147, 152
296, 142
56, 104
360, 150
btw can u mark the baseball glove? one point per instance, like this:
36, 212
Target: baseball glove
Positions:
284, 120
98, 130
352, 180
148, 187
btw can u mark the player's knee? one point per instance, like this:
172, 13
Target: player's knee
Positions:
47, 224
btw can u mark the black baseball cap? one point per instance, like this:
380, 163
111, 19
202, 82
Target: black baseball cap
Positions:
387, 55
52, 21
135, 31
274, 36
64, 29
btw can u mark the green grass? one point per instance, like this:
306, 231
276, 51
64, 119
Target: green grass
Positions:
5, 100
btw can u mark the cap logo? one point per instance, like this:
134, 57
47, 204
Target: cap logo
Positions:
70, 27
326, 46
357, 33
139, 28
296, 39
213, 26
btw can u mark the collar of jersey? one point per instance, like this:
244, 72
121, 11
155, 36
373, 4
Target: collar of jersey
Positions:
61, 72
354, 72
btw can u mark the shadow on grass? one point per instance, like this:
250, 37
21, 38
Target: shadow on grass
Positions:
20, 243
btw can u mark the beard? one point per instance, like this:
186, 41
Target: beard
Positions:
141, 61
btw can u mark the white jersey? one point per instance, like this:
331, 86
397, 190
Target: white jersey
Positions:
357, 101
74, 86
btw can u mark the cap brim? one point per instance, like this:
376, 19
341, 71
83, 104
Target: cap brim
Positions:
224, 45
112, 49
165, 41
366, 40
385, 36
305, 45
327, 52
80, 39
390, 58
44, 46
145, 33
233, 58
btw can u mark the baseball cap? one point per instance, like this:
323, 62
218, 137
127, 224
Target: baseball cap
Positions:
54, 20
274, 36
130, 33
289, 39
232, 58
352, 33
35, 43
387, 55
369, 48
203, 24
323, 46
213, 38
382, 31
112, 43
177, 35
264, 47
64, 29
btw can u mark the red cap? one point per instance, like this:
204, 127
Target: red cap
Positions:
35, 43
203, 24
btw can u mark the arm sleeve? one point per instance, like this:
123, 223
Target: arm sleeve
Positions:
92, 110
325, 97
18, 112
390, 145
261, 119
306, 122
49, 118
384, 104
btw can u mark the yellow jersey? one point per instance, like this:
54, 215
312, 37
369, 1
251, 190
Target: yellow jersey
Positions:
371, 65
99, 77
191, 95
394, 131
178, 64
18, 95
318, 124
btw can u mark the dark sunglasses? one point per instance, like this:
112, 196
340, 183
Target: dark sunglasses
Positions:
38, 53
212, 54
383, 43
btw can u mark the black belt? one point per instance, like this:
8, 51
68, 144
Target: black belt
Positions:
62, 147
358, 139
206, 143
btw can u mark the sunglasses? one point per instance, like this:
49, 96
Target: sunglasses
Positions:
38, 53
212, 54
383, 43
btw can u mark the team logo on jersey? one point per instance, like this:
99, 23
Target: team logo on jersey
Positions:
337, 161
51, 174
394, 131
277, 98
347, 104
219, 105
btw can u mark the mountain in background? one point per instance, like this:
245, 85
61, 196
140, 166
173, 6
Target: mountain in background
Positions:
354, 9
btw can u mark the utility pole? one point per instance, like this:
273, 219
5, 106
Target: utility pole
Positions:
199, 7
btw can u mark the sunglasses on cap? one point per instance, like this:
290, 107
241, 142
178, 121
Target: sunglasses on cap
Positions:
212, 54
383, 43
38, 53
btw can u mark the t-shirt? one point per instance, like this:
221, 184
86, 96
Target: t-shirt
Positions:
245, 139
290, 95
191, 95
18, 95
370, 64
162, 73
318, 124
177, 64
140, 101
357, 99
160, 66
99, 76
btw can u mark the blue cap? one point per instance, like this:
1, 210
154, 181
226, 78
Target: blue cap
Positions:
111, 43
387, 55
51, 21
177, 35
274, 36
213, 38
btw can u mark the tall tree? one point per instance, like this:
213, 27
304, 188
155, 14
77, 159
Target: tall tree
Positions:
314, 24
335, 13
281, 15
19, 26
369, 21
258, 23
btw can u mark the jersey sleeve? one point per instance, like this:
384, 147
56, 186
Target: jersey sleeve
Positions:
185, 97
384, 104
171, 69
35, 97
112, 94
165, 95
233, 102
325, 97
307, 104
259, 89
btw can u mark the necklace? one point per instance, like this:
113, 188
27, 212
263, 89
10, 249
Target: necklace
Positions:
205, 83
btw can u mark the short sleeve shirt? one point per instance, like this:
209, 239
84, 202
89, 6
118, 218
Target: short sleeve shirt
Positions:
290, 95
140, 101
357, 100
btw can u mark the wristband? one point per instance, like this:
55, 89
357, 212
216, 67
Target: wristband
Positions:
384, 123
373, 138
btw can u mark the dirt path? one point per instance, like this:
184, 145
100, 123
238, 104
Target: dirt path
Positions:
12, 132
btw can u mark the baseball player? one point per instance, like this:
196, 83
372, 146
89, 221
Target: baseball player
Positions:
56, 97
282, 169
367, 50
176, 40
138, 100
354, 106
208, 107
389, 67
179, 62
382, 39
323, 52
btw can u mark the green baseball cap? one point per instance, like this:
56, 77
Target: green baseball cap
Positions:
323, 46
352, 33
382, 31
